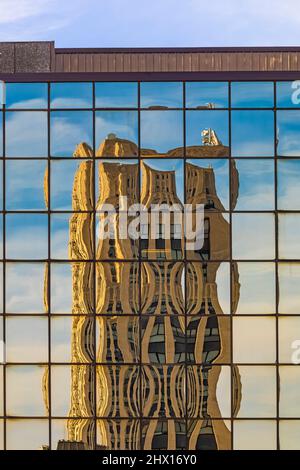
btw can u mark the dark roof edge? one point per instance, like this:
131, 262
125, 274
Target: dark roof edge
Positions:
151, 76
169, 50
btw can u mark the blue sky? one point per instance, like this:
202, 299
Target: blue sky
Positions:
129, 23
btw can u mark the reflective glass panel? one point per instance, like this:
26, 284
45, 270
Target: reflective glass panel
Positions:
253, 288
289, 285
116, 133
253, 185
288, 189
26, 134
288, 133
25, 287
255, 435
207, 134
25, 192
162, 133
70, 131
289, 342
289, 434
24, 390
289, 243
207, 182
26, 236
116, 95
71, 95
252, 94
288, 94
258, 385
252, 133
27, 434
26, 95
289, 406
253, 236
26, 339
161, 95
248, 331
208, 95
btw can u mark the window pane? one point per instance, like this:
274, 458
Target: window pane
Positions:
26, 193
161, 94
24, 390
254, 288
118, 339
26, 134
289, 339
258, 388
207, 134
253, 188
116, 95
26, 236
252, 133
116, 434
289, 243
288, 133
72, 236
288, 189
255, 435
25, 287
198, 277
26, 95
70, 130
253, 236
66, 331
207, 182
289, 432
116, 133
206, 94
288, 94
63, 192
289, 285
117, 288
27, 434
26, 339
252, 94
289, 406
71, 95
162, 133
248, 331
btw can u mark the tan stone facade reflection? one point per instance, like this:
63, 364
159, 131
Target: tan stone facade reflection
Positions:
182, 355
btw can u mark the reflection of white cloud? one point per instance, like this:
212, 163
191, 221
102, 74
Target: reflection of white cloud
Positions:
23, 434
25, 288
260, 331
61, 288
124, 125
257, 148
257, 196
66, 135
25, 391
255, 435
289, 240
253, 236
258, 392
26, 134
71, 102
257, 288
60, 244
161, 130
27, 339
34, 103
61, 390
27, 242
223, 392
289, 287
289, 391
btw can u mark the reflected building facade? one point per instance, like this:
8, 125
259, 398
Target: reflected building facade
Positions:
156, 366
146, 342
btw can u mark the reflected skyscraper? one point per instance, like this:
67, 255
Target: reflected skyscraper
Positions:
165, 365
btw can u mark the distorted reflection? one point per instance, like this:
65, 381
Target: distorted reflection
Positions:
151, 343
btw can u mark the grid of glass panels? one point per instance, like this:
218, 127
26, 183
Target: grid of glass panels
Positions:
146, 344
